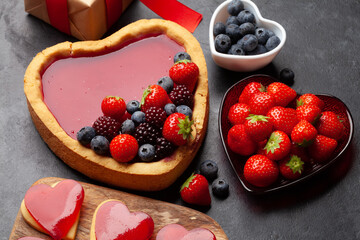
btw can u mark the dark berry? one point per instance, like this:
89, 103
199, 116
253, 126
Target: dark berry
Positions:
272, 43
263, 35
133, 106
209, 169
166, 83
233, 31
219, 28
247, 28
138, 117
287, 76
184, 110
246, 16
100, 145
170, 108
181, 95
107, 127
155, 116
234, 7
128, 127
260, 49
220, 188
236, 50
222, 43
145, 133
181, 56
85, 134
163, 148
146, 152
248, 42
232, 20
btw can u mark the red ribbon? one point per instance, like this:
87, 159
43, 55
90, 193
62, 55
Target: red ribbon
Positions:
175, 11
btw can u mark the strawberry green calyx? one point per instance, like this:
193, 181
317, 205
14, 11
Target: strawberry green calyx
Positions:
257, 118
187, 182
273, 143
145, 94
305, 143
295, 164
299, 102
116, 97
262, 88
185, 127
183, 61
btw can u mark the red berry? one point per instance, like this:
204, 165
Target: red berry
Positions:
114, 107
177, 128
240, 142
282, 93
195, 190
284, 119
278, 146
303, 133
260, 171
291, 167
260, 103
310, 99
301, 152
154, 96
310, 113
238, 113
258, 127
330, 125
249, 90
185, 72
124, 148
322, 148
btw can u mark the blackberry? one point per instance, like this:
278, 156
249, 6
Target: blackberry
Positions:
181, 95
107, 127
146, 133
163, 148
155, 116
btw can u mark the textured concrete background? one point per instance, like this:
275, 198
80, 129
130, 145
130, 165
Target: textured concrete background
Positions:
323, 50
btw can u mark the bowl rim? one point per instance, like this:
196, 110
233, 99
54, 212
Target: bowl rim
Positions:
261, 18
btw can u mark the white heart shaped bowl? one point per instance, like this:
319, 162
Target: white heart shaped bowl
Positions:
244, 63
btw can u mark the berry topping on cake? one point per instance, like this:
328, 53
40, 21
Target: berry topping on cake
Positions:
133, 106
166, 83
146, 133
85, 134
181, 56
185, 72
113, 106
124, 148
181, 95
177, 128
146, 152
155, 116
107, 127
100, 145
138, 117
128, 127
170, 108
154, 96
163, 148
184, 110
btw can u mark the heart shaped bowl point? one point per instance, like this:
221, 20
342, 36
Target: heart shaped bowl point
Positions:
151, 176
244, 63
331, 104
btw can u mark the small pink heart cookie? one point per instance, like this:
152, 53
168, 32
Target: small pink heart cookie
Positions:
113, 220
178, 232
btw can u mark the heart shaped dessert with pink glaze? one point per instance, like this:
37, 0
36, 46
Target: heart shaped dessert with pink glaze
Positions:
113, 220
178, 232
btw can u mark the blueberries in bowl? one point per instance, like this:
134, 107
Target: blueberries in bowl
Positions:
222, 43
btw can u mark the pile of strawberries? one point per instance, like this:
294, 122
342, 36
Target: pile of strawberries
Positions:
281, 140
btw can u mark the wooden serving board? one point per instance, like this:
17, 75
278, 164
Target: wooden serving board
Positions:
163, 213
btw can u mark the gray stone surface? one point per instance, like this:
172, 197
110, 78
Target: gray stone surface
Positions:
323, 50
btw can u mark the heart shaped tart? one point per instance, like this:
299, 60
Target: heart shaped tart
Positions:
65, 84
113, 220
178, 232
54, 210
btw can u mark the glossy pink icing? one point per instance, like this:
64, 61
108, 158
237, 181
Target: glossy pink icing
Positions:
178, 232
73, 88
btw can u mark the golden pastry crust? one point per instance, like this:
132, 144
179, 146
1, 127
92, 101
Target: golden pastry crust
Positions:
139, 176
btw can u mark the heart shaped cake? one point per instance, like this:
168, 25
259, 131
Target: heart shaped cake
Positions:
64, 86
177, 232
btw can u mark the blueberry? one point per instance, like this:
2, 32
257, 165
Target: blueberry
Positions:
272, 43
181, 56
209, 169
100, 145
248, 42
232, 20
128, 127
233, 31
220, 188
246, 16
146, 152
166, 83
287, 76
138, 117
170, 108
219, 28
234, 7
262, 34
236, 50
184, 110
260, 49
133, 106
85, 134
222, 43
247, 28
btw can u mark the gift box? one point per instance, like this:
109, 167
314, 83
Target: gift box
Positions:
83, 19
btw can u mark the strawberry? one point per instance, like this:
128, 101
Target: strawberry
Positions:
177, 128
310, 113
239, 141
330, 125
260, 103
124, 148
278, 146
154, 96
282, 93
195, 190
303, 133
238, 113
322, 148
185, 72
291, 167
258, 127
284, 119
260, 171
249, 90
310, 99
114, 107
301, 152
